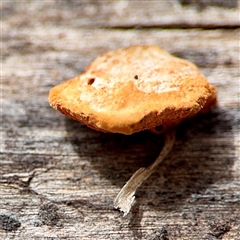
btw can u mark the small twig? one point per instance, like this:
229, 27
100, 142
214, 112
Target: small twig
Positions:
125, 197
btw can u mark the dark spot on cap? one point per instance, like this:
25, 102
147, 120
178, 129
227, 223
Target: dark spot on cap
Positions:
159, 128
136, 76
91, 81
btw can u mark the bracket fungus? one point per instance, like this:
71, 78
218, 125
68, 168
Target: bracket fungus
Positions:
134, 89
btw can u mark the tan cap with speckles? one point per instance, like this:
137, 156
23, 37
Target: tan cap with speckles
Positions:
133, 89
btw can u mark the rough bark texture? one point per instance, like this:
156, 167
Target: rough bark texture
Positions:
58, 179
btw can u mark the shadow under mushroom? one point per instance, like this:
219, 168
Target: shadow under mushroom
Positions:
196, 161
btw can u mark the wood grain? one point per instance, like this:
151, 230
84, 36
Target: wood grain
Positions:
58, 179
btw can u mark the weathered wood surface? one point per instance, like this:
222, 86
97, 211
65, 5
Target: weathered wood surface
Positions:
58, 179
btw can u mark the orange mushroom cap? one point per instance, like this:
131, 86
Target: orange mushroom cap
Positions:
134, 89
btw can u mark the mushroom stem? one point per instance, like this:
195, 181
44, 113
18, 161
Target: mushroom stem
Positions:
125, 197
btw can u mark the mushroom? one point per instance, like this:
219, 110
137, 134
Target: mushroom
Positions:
133, 89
